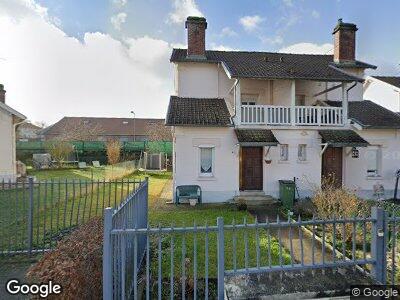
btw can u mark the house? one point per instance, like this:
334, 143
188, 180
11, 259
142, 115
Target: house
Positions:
383, 90
9, 120
243, 120
27, 132
104, 129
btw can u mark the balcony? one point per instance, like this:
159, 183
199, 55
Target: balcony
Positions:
286, 115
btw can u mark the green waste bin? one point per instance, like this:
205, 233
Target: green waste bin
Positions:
286, 193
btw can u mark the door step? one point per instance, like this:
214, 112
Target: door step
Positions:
255, 200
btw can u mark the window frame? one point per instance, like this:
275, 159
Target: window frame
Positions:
281, 157
212, 173
378, 152
302, 158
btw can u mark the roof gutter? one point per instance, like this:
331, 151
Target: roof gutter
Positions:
234, 97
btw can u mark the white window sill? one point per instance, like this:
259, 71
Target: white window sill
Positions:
378, 177
206, 178
302, 161
283, 162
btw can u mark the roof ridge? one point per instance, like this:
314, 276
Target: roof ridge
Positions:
260, 52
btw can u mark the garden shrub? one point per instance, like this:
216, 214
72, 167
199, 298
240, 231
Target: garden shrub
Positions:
330, 201
75, 264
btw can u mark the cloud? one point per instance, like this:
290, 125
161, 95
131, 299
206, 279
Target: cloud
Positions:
276, 40
48, 74
118, 19
315, 14
288, 2
214, 46
250, 23
308, 48
183, 9
227, 31
120, 3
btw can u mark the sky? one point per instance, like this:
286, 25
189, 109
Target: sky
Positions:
106, 58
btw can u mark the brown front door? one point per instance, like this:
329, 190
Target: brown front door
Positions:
252, 168
332, 166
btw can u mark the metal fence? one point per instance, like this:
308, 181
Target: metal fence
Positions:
192, 262
34, 215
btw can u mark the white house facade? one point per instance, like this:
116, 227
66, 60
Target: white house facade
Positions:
383, 90
242, 121
9, 119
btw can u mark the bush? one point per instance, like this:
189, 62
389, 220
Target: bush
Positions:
330, 201
113, 151
59, 151
75, 264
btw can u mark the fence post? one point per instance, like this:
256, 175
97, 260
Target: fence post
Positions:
107, 255
30, 215
221, 258
378, 244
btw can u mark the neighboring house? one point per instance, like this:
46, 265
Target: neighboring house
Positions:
103, 129
27, 132
383, 90
242, 121
9, 120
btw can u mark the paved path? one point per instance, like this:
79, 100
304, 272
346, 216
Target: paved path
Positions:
271, 212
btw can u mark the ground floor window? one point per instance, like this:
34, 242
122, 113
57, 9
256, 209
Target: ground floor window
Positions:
284, 152
206, 161
374, 158
301, 152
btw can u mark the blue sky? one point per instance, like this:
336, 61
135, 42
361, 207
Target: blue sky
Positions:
108, 57
282, 23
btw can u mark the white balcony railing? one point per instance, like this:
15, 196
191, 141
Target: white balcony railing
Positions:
282, 115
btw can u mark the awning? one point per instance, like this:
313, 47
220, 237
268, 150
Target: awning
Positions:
256, 137
342, 138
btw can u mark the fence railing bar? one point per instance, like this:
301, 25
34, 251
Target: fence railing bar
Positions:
194, 262
147, 265
394, 239
301, 240
37, 213
257, 246
353, 250
98, 197
183, 266
159, 264
44, 214
23, 214
269, 243
79, 201
334, 240
323, 244
91, 199
171, 279
234, 256
364, 241
123, 266
73, 202
206, 263
246, 244
313, 242
279, 241
135, 267
344, 241
291, 242
115, 195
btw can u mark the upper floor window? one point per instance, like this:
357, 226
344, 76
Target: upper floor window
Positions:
284, 152
302, 152
249, 99
373, 156
206, 161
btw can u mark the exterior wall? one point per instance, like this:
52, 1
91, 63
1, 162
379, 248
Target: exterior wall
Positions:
355, 94
307, 173
200, 80
223, 186
7, 155
355, 169
383, 94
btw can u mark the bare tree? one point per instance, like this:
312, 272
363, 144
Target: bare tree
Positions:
158, 132
80, 131
59, 151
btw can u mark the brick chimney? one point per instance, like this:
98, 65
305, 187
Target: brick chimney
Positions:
345, 42
196, 32
2, 94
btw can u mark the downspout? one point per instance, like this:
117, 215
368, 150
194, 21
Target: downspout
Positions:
14, 145
347, 96
234, 99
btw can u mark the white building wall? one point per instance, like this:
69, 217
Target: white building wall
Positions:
7, 160
307, 173
223, 186
383, 94
355, 169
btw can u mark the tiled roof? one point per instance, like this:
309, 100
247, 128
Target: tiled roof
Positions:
256, 136
271, 65
393, 80
370, 115
340, 138
197, 112
106, 126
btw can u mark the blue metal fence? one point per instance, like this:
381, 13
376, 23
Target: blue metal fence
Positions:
178, 262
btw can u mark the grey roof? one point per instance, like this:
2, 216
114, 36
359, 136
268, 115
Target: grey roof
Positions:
12, 111
270, 65
197, 112
260, 137
370, 115
342, 138
393, 80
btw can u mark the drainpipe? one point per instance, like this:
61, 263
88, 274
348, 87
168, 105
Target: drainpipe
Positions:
14, 144
347, 97
234, 99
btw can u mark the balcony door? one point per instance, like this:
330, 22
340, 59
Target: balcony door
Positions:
251, 168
